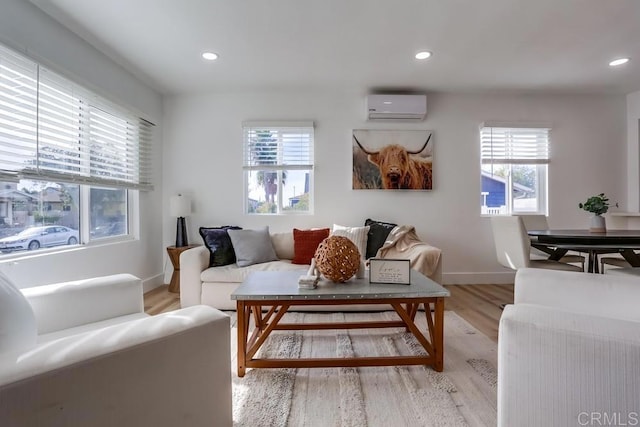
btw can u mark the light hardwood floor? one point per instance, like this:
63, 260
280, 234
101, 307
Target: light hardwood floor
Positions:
479, 305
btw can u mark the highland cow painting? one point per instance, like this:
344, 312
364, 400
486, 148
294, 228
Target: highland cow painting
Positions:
392, 159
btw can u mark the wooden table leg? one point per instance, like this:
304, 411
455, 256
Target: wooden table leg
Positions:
257, 317
631, 257
411, 310
558, 253
242, 338
592, 265
438, 335
413, 328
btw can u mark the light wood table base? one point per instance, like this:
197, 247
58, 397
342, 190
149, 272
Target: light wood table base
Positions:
174, 255
406, 308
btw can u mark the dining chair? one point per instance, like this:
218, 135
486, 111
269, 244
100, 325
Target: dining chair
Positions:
616, 261
539, 222
513, 246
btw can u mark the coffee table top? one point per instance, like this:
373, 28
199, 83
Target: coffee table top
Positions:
283, 285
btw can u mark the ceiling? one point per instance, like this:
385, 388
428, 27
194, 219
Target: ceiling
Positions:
549, 46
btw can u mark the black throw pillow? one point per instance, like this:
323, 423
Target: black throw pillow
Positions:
378, 232
217, 240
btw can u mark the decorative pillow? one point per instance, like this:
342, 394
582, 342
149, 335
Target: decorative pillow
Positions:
217, 240
378, 232
252, 246
305, 243
18, 328
283, 244
358, 235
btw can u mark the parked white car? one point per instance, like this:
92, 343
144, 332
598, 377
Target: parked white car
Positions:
39, 237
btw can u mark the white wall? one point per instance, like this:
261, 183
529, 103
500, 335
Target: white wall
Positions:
202, 157
25, 28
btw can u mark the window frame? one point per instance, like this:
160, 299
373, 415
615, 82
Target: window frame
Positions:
84, 232
526, 145
132, 197
279, 165
101, 133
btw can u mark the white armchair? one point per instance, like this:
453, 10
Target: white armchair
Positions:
569, 350
99, 360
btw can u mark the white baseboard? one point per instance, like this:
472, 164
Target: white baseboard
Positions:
485, 278
152, 282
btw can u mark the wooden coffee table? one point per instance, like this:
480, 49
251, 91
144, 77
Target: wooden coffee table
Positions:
277, 291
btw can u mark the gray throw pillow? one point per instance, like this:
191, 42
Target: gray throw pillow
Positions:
252, 246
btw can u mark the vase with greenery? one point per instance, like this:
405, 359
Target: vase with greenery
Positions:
597, 205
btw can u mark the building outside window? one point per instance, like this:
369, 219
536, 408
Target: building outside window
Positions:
514, 170
70, 161
278, 168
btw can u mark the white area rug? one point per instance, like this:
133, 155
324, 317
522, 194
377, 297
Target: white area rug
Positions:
464, 394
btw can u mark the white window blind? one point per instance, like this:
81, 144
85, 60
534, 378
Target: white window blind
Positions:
272, 146
509, 145
52, 129
18, 113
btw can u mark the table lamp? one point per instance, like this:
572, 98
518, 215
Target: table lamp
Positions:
180, 206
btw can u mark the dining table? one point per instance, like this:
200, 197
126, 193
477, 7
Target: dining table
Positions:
557, 243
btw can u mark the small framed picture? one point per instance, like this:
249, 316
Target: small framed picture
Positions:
396, 271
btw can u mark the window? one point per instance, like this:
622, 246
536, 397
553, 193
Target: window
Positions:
514, 170
108, 209
69, 160
278, 168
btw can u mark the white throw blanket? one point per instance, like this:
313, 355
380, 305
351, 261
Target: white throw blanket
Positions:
404, 243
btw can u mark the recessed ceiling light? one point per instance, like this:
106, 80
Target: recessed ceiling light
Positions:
210, 56
423, 55
619, 61
387, 102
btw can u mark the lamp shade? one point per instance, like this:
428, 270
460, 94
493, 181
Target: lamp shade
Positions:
180, 206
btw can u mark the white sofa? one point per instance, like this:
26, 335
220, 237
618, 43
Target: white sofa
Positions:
569, 350
99, 360
201, 284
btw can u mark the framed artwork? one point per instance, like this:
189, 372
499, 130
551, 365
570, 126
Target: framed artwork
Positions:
392, 159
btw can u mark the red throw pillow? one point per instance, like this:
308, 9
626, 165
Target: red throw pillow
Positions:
305, 243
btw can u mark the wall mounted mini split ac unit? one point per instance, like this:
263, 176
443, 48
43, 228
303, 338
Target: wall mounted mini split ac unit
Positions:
396, 107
